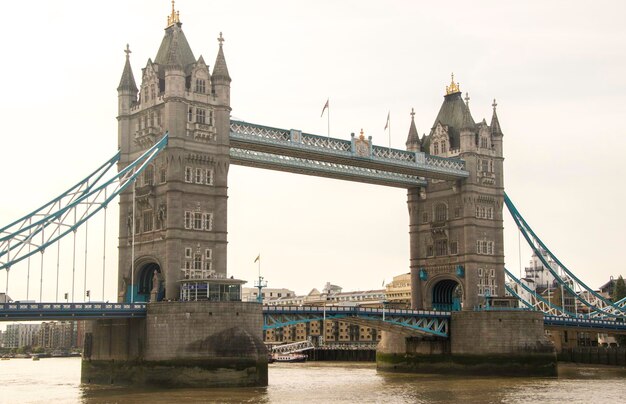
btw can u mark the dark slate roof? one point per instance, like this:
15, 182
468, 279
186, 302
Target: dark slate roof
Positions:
456, 115
413, 139
220, 70
174, 49
495, 124
127, 82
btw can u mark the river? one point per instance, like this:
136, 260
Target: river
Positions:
57, 380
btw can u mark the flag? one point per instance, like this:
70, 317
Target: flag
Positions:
326, 106
258, 258
387, 124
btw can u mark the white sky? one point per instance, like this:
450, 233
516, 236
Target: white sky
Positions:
556, 69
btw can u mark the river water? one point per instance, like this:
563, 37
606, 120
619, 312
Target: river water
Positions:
57, 380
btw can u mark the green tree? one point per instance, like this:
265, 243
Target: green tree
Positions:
619, 289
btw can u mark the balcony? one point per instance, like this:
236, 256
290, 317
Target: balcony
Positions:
146, 137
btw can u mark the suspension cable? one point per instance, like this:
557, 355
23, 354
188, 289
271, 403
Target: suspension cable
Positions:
104, 247
74, 257
58, 264
132, 248
41, 269
85, 277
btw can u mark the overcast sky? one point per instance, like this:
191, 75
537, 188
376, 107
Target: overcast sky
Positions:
557, 70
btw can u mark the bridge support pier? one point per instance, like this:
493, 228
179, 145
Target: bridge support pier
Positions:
497, 343
179, 344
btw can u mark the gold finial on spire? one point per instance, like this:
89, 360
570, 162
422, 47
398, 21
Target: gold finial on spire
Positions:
453, 87
174, 18
362, 136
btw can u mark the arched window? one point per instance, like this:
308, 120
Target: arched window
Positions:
444, 146
441, 212
436, 148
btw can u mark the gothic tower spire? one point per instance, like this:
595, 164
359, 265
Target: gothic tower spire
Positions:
127, 82
220, 70
413, 140
495, 123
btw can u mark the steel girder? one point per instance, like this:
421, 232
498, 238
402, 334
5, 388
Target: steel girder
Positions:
70, 311
308, 147
409, 322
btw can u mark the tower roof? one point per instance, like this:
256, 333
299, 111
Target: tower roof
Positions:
454, 113
127, 82
220, 70
413, 139
495, 124
174, 49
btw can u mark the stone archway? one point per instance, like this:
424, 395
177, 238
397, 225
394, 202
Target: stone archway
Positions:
447, 295
149, 283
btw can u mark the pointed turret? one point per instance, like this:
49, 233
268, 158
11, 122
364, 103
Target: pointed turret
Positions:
220, 70
174, 49
495, 124
127, 90
413, 143
127, 82
467, 122
453, 114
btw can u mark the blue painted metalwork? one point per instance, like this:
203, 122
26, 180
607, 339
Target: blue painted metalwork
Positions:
70, 311
25, 237
460, 271
613, 326
599, 306
540, 304
407, 321
295, 144
299, 165
423, 274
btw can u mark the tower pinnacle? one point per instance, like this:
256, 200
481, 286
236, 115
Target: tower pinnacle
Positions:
173, 18
127, 82
453, 87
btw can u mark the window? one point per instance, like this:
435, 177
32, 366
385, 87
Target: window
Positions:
197, 262
484, 165
187, 252
152, 91
198, 176
137, 226
436, 148
444, 146
147, 221
484, 142
208, 221
188, 174
200, 115
200, 86
187, 220
162, 176
148, 175
429, 251
480, 273
454, 248
425, 217
492, 273
441, 248
208, 176
208, 254
197, 221
489, 248
441, 212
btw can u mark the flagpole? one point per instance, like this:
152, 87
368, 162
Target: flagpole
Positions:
389, 130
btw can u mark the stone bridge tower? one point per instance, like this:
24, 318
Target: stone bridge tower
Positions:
456, 228
178, 229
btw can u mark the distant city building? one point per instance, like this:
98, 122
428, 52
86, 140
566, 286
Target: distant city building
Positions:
251, 294
537, 271
399, 291
330, 330
20, 335
57, 335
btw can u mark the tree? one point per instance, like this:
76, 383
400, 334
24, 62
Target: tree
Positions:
619, 289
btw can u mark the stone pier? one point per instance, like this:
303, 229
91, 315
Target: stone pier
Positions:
496, 343
179, 344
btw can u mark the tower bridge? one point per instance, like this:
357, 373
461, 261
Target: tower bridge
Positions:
178, 308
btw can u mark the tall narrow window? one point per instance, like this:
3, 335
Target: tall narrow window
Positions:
187, 220
197, 221
198, 176
200, 115
188, 174
162, 176
190, 114
148, 175
441, 212
208, 176
147, 221
436, 148
200, 86
208, 221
